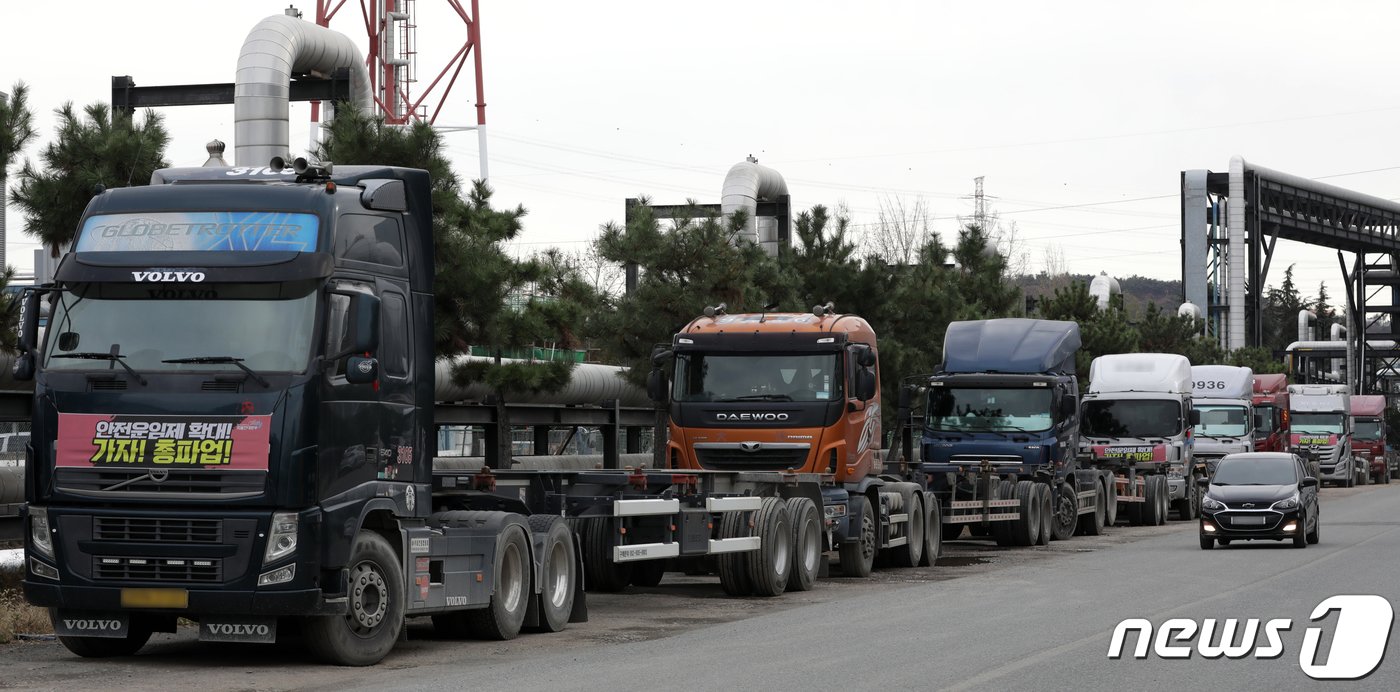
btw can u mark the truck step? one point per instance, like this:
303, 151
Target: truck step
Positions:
733, 504
645, 551
734, 545
645, 508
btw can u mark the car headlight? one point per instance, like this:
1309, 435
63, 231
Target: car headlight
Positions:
282, 539
40, 536
1289, 503
1211, 503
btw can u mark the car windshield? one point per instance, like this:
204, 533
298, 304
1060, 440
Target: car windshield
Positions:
1222, 421
970, 409
1256, 471
268, 334
1264, 418
1315, 423
1367, 429
786, 377
1132, 418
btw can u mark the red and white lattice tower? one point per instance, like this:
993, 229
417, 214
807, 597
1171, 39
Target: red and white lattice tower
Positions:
392, 29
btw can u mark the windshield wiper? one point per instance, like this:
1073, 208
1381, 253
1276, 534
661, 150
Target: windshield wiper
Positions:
761, 397
221, 360
109, 357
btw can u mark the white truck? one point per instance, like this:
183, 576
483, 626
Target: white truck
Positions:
1136, 420
1223, 394
1319, 419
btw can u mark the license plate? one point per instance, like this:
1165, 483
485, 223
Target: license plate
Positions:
1246, 521
155, 598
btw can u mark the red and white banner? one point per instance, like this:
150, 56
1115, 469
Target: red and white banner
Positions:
94, 440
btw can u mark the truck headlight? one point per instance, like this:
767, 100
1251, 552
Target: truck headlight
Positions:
282, 538
40, 535
1286, 504
1176, 471
1212, 504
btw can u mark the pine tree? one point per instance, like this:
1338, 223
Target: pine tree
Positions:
16, 131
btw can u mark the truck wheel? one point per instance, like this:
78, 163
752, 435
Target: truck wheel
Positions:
806, 544
558, 573
733, 568
1110, 507
1365, 477
105, 647
858, 558
1091, 524
374, 608
648, 573
770, 565
933, 530
912, 552
1043, 497
1151, 510
602, 573
1066, 510
510, 598
1163, 492
1025, 529
1003, 531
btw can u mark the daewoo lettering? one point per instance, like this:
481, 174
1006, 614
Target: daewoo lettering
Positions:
168, 277
751, 416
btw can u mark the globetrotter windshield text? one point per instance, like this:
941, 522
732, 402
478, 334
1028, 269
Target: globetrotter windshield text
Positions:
242, 231
229, 442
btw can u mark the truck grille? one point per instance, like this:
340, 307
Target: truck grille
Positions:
158, 569
770, 457
172, 482
153, 530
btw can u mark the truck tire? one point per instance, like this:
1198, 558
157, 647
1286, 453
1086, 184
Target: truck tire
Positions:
770, 565
1065, 509
1047, 516
1025, 529
1151, 510
1003, 531
136, 637
912, 552
1110, 507
1091, 524
558, 571
733, 568
602, 573
806, 544
858, 557
1183, 506
933, 530
502, 618
648, 573
370, 627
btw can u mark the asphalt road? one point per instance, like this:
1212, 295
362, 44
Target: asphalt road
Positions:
983, 619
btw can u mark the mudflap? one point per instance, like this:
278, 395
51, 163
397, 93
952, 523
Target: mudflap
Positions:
236, 628
580, 611
75, 623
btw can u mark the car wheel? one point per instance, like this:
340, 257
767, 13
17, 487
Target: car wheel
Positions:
1300, 538
1223, 541
1207, 542
1315, 535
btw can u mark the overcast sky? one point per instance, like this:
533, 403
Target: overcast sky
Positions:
1079, 115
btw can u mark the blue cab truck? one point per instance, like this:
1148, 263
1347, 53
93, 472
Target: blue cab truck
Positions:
233, 423
1000, 430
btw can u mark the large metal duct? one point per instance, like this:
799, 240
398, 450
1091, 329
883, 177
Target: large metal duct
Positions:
1238, 258
744, 186
1305, 323
278, 47
590, 383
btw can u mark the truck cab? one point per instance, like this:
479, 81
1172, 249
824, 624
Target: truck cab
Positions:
1222, 395
1270, 412
1368, 437
1319, 419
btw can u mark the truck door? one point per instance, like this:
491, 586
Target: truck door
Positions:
349, 436
399, 423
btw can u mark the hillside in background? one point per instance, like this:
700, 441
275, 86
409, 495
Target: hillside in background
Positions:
1138, 291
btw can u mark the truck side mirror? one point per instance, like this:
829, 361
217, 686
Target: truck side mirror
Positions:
865, 356
364, 323
361, 369
1069, 408
865, 384
1203, 482
656, 385
1195, 417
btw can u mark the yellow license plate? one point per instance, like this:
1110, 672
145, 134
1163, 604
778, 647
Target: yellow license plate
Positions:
155, 598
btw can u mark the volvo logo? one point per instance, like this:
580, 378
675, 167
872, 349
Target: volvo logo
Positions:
750, 446
751, 416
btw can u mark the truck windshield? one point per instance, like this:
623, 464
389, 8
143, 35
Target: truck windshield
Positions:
1222, 421
1315, 422
786, 377
1256, 471
268, 334
970, 409
1367, 429
1131, 418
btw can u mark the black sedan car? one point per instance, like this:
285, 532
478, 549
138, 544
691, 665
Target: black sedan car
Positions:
1260, 496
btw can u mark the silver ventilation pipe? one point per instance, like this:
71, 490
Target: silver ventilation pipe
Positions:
1235, 227
278, 47
589, 383
746, 184
1305, 322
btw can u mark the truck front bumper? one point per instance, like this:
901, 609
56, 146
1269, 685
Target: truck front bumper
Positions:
201, 602
1176, 488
